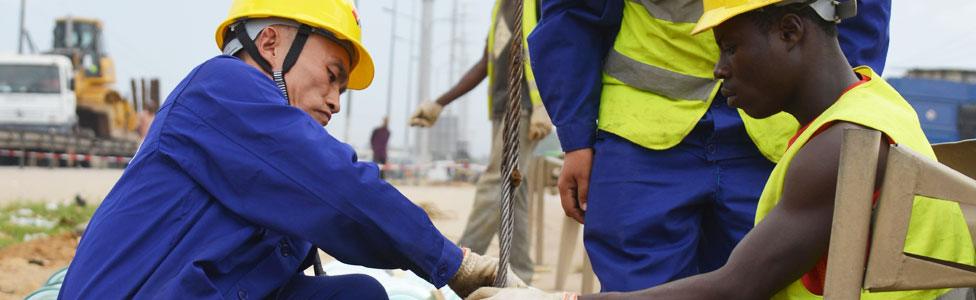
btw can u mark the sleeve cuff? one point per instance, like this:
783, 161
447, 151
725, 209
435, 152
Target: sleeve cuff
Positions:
448, 265
576, 136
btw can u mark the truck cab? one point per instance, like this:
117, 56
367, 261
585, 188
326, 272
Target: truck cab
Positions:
36, 93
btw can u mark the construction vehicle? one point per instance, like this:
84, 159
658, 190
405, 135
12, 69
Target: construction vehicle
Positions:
82, 115
101, 108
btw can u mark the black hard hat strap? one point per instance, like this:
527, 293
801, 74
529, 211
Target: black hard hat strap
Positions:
296, 47
290, 58
247, 43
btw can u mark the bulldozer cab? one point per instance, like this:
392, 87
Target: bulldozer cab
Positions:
80, 40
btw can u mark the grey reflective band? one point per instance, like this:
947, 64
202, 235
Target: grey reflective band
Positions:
254, 27
829, 10
657, 80
530, 80
677, 11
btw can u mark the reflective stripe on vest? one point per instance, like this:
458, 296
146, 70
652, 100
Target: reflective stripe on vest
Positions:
664, 82
937, 229
680, 11
530, 19
658, 80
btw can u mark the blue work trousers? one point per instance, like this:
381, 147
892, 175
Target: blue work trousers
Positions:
352, 286
658, 216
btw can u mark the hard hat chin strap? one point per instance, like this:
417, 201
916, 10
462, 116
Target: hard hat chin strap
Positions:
240, 30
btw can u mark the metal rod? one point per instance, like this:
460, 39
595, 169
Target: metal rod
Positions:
423, 90
155, 96
135, 95
410, 82
22, 29
345, 133
389, 83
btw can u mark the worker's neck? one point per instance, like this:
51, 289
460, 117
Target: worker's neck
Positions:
250, 61
829, 74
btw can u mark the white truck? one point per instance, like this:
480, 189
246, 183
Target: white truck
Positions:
39, 117
36, 93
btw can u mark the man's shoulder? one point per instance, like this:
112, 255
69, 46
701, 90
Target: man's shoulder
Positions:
228, 78
228, 69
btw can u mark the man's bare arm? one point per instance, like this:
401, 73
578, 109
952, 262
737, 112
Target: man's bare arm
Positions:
475, 75
785, 245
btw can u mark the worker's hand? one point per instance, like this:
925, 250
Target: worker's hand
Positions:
493, 293
540, 125
574, 182
426, 115
479, 271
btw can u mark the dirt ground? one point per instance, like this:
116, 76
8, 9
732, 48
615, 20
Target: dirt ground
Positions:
25, 267
61, 185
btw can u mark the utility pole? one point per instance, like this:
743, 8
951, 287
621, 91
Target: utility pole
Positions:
423, 91
458, 64
345, 133
389, 83
410, 80
454, 36
22, 29
465, 105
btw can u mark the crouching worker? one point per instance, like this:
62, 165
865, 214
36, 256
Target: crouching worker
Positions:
777, 56
238, 182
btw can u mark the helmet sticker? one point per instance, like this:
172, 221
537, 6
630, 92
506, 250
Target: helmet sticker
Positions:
355, 15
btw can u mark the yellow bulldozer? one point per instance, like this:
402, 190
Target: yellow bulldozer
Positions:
101, 109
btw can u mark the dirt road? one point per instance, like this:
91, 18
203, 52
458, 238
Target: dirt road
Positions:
41, 184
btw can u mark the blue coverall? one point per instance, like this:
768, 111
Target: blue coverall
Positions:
228, 194
657, 216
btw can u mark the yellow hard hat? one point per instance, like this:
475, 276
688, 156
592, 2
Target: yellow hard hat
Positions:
718, 11
338, 17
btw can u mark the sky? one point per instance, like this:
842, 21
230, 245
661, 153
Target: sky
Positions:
166, 39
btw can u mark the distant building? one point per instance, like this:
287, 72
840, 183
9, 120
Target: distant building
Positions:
444, 137
960, 76
945, 101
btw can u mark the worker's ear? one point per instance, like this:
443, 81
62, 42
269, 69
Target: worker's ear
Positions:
790, 30
269, 44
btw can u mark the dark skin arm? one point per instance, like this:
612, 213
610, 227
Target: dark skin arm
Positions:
469, 81
786, 244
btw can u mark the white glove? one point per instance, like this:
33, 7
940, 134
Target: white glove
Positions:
540, 125
478, 271
426, 115
492, 293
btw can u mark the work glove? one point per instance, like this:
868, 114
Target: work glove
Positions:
539, 125
492, 293
478, 271
426, 115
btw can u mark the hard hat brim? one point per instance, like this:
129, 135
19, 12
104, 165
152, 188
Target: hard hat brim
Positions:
712, 18
361, 75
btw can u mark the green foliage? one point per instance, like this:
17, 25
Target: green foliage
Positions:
27, 219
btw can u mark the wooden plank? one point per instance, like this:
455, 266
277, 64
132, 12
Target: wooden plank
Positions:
851, 223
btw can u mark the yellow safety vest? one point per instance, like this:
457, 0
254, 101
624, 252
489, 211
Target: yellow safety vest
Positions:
529, 19
937, 228
658, 80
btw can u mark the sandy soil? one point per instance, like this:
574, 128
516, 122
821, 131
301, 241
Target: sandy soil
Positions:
448, 205
25, 267
42, 184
